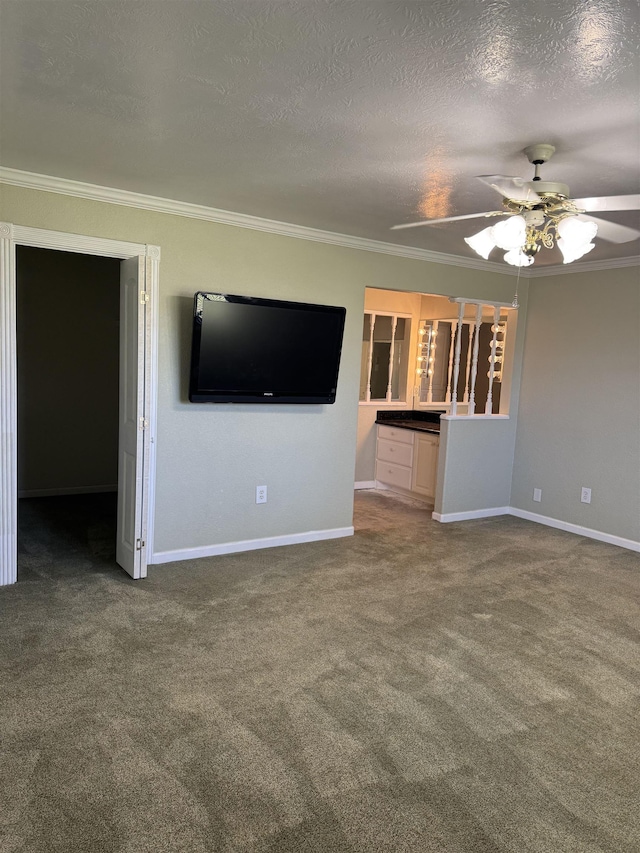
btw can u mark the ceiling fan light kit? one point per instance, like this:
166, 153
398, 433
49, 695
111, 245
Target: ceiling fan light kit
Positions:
541, 214
538, 216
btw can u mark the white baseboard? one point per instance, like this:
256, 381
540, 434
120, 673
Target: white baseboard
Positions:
470, 514
364, 484
248, 545
66, 490
631, 544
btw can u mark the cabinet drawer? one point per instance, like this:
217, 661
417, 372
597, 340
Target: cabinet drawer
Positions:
394, 475
405, 436
394, 451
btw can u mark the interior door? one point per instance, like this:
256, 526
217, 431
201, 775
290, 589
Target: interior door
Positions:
133, 450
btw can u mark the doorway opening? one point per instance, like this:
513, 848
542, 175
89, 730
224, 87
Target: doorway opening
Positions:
67, 328
426, 356
138, 273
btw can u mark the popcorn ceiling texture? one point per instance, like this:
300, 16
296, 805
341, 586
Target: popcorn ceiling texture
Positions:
345, 116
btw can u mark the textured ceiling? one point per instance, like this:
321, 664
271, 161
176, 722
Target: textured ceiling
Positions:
344, 115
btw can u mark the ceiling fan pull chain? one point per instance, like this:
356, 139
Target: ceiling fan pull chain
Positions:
515, 303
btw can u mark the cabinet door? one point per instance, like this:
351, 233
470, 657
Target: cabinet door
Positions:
425, 465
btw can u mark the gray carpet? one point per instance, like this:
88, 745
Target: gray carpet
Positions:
419, 687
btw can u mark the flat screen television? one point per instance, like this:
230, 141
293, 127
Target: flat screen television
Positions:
251, 350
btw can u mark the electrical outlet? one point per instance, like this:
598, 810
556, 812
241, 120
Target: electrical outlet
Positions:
261, 494
585, 495
537, 494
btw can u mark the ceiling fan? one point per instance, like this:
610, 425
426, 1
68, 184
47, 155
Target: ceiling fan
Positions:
541, 213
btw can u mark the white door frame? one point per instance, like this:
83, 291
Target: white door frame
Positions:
20, 235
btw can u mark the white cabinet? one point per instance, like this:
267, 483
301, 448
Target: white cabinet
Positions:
407, 461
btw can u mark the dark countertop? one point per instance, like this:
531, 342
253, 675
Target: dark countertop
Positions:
422, 421
421, 426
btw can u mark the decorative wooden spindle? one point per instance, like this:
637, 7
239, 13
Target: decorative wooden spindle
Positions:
496, 319
474, 361
465, 398
372, 322
394, 321
454, 328
456, 361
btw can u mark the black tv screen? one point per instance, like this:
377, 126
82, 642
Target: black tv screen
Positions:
251, 350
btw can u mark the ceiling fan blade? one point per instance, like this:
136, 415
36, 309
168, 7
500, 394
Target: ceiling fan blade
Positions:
609, 202
612, 231
510, 187
447, 219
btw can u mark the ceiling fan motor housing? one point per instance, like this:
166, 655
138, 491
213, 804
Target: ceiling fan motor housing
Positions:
550, 188
540, 153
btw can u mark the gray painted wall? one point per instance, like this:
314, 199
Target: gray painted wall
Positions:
579, 415
211, 457
68, 316
474, 464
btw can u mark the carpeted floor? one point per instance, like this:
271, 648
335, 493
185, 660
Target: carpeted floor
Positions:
419, 687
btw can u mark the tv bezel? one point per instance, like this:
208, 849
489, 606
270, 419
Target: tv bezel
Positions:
200, 395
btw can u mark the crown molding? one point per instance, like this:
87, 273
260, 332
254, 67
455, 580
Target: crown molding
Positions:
587, 266
127, 198
79, 189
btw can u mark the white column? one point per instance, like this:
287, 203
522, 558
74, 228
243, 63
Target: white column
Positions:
394, 323
454, 327
465, 398
474, 362
8, 410
456, 361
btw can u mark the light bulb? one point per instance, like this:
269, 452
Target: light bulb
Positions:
482, 242
510, 233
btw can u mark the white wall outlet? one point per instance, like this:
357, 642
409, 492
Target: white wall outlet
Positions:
585, 495
261, 494
537, 494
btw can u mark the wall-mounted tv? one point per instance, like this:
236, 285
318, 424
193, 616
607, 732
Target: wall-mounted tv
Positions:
251, 350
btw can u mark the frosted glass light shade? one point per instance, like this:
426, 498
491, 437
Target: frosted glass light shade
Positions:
482, 242
517, 258
510, 233
572, 251
576, 231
